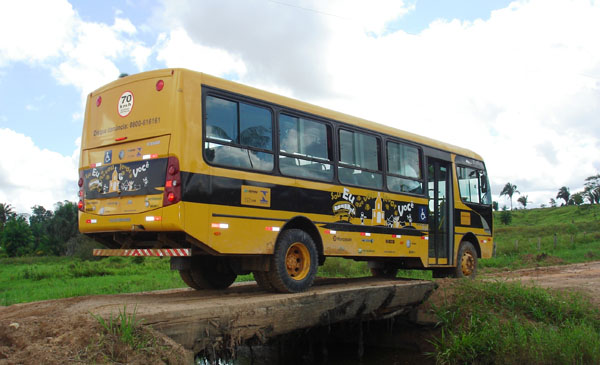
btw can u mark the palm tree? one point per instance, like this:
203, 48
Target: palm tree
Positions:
523, 200
563, 193
6, 212
509, 189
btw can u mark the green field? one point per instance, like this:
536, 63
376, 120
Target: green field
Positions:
565, 235
29, 279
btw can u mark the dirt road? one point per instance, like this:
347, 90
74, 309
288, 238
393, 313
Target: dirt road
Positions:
583, 278
61, 331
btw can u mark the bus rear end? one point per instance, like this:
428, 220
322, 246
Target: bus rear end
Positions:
129, 179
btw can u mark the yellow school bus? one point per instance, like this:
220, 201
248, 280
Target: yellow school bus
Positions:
226, 179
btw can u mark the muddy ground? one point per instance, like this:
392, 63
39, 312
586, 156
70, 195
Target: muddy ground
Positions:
63, 331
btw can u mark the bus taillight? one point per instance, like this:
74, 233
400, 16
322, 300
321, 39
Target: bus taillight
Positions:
172, 193
81, 194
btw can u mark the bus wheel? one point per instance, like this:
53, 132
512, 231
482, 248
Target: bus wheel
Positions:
385, 272
262, 279
466, 265
294, 262
209, 272
186, 276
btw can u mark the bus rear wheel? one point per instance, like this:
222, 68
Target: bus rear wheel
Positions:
384, 272
466, 263
294, 262
208, 272
186, 276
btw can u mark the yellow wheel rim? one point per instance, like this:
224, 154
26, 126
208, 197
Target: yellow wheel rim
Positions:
297, 261
467, 263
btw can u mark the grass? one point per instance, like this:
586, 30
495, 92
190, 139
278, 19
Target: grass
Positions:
494, 322
29, 279
337, 267
565, 235
124, 326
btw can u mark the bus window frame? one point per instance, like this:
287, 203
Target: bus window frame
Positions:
206, 92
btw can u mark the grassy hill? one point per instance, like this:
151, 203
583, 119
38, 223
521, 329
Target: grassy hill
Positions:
546, 236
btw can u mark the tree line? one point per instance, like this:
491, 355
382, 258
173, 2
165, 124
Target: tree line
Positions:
43, 232
589, 194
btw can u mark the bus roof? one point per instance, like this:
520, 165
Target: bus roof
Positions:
331, 114
255, 93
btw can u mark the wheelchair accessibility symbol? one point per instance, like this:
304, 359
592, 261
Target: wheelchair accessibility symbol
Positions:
422, 214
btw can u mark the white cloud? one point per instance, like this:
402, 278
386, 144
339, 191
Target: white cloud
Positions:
32, 176
177, 50
33, 31
370, 16
79, 53
93, 51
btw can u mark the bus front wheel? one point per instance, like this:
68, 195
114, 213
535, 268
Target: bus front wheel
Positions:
294, 262
466, 263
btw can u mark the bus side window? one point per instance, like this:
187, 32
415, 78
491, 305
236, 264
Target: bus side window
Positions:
304, 151
360, 160
251, 148
221, 119
404, 168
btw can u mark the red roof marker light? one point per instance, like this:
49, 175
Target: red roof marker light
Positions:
159, 85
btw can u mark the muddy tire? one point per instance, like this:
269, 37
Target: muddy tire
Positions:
208, 272
262, 280
466, 262
294, 262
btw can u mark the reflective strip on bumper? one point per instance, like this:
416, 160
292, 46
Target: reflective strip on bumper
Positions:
145, 252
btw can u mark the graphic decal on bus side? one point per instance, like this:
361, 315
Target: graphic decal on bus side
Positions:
373, 210
131, 178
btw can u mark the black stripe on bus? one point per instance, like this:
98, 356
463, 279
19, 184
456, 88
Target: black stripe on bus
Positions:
219, 190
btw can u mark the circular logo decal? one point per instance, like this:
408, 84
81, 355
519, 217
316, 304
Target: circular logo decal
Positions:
125, 103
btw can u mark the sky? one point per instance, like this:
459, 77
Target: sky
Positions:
518, 82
